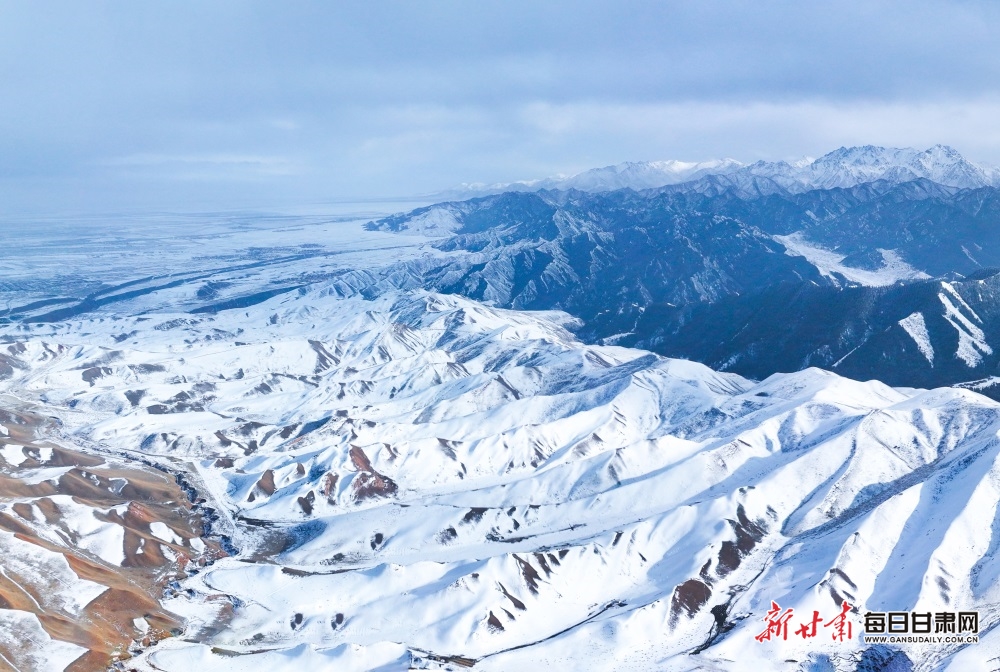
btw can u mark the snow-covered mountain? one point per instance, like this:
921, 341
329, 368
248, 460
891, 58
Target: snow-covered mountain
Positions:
421, 481
401, 479
849, 166
631, 174
329, 445
712, 275
844, 167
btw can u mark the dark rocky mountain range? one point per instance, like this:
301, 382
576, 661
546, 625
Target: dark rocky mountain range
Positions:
746, 276
922, 334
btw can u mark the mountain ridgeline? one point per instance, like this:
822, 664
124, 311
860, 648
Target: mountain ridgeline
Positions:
288, 455
893, 279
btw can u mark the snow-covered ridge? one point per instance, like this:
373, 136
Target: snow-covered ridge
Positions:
420, 481
631, 174
844, 167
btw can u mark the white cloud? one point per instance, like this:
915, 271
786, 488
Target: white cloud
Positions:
249, 101
261, 162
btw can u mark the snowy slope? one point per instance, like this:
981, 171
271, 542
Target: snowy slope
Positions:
830, 264
421, 481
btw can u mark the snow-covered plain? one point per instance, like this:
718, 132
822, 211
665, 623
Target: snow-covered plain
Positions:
418, 481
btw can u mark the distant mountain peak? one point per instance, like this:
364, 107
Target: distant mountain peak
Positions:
843, 167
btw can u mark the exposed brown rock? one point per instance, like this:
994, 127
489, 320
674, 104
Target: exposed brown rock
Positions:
307, 502
518, 604
373, 485
266, 483
369, 483
529, 574
494, 623
104, 626
688, 598
748, 535
360, 460
329, 483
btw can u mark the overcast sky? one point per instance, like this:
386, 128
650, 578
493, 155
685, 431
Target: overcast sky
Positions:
112, 106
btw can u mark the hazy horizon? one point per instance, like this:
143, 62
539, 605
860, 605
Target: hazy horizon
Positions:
114, 107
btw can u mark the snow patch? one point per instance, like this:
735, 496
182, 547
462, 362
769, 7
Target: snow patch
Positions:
917, 329
163, 532
103, 539
829, 263
437, 221
13, 454
972, 343
19, 627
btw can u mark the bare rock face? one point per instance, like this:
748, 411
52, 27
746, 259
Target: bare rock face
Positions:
369, 483
87, 553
